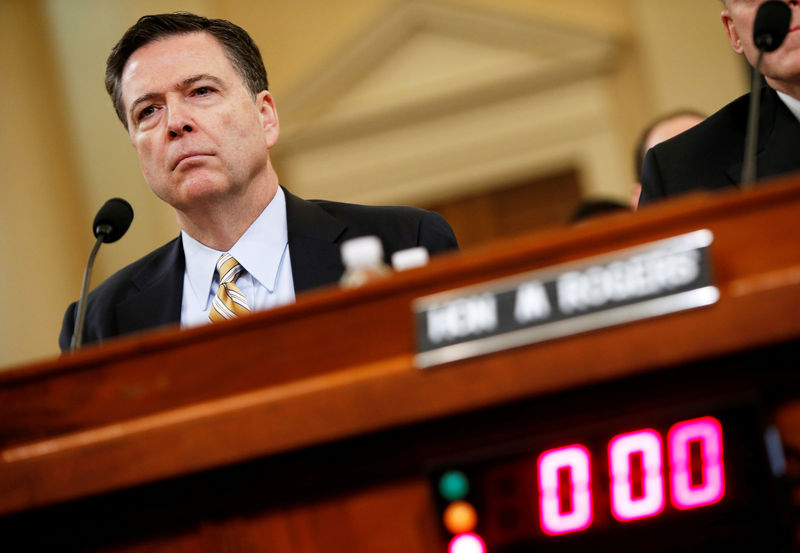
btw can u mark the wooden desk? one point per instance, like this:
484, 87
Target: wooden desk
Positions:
316, 431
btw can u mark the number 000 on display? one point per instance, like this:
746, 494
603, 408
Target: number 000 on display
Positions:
636, 473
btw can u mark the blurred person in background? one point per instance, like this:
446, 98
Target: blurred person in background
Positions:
663, 128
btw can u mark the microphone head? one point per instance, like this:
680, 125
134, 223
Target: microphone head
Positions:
771, 25
113, 220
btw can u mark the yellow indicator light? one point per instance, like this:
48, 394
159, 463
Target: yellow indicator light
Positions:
460, 517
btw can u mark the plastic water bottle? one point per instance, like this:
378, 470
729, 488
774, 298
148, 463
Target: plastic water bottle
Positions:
363, 261
410, 258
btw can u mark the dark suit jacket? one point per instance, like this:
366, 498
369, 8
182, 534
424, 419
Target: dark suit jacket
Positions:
148, 292
710, 155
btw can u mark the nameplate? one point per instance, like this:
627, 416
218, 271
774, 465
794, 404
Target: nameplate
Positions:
628, 285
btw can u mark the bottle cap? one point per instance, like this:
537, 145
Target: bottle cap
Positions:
410, 259
365, 251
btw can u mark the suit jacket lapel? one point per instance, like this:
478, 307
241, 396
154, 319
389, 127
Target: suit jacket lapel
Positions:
781, 151
313, 244
160, 290
778, 139
313, 248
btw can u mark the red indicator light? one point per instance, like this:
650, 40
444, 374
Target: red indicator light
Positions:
467, 543
709, 488
565, 510
636, 493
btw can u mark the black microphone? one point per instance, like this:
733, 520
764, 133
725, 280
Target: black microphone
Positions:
110, 223
770, 27
113, 220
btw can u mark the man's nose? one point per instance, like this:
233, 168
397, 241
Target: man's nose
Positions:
178, 120
179, 130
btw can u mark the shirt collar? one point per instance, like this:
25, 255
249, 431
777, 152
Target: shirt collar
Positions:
259, 251
792, 103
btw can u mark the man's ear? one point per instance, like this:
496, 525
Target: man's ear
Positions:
733, 34
269, 117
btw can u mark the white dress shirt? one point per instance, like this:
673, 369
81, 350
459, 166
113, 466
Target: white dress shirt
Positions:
263, 252
792, 103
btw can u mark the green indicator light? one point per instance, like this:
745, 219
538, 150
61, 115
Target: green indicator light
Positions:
453, 485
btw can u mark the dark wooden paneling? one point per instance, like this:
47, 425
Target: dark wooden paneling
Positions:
512, 210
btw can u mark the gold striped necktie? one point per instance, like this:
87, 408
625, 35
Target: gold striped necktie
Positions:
229, 302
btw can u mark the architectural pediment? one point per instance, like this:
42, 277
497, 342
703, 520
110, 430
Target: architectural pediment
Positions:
428, 58
433, 100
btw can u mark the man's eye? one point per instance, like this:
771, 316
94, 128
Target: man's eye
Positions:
202, 91
146, 112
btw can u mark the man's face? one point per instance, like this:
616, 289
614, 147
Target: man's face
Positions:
199, 133
781, 67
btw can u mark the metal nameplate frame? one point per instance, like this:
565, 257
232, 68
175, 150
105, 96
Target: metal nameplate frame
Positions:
637, 283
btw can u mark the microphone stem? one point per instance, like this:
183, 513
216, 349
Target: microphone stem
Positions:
77, 334
751, 141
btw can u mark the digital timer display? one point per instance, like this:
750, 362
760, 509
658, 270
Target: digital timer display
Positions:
635, 470
647, 484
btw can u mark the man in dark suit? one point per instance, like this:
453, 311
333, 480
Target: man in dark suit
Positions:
193, 94
710, 155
